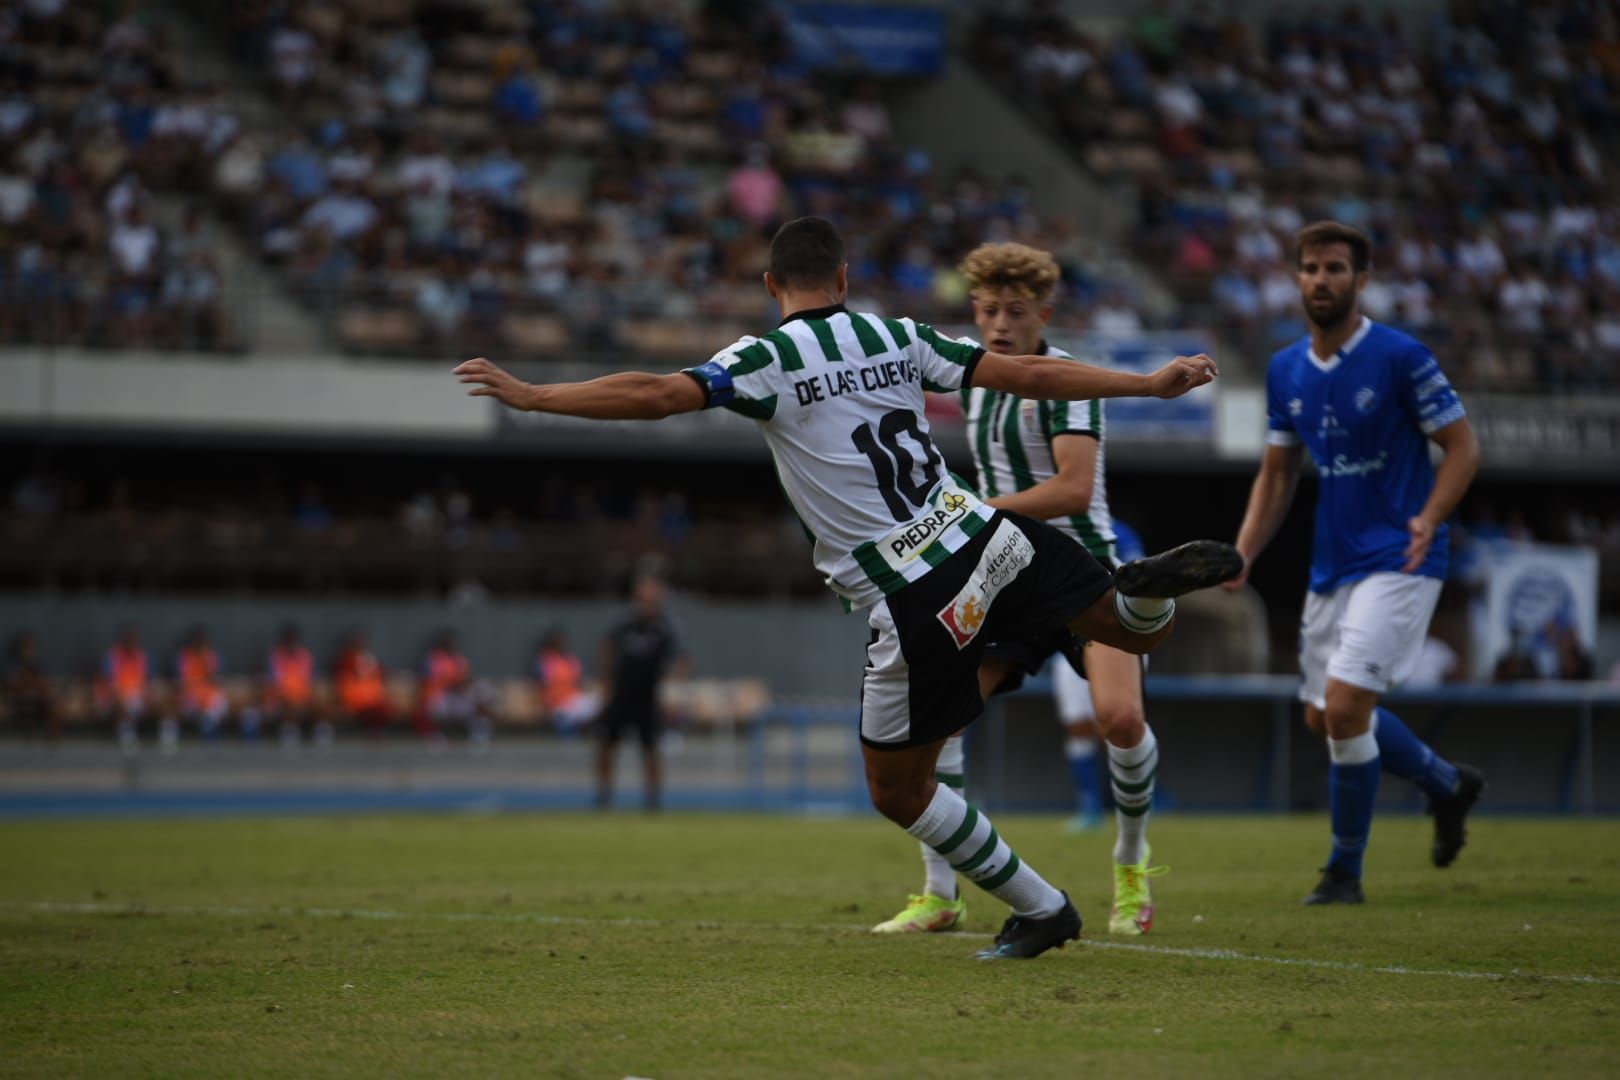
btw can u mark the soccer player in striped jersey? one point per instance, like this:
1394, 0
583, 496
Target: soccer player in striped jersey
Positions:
1044, 459
1366, 400
839, 399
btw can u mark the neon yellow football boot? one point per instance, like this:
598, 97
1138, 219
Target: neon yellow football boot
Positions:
925, 914
1133, 900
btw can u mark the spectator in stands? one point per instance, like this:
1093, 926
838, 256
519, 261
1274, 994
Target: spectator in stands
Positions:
426, 167
192, 307
136, 248
295, 59
344, 212
636, 656
404, 61
442, 301
202, 699
122, 691
289, 697
25, 693
518, 98
755, 189
358, 679
564, 701
451, 695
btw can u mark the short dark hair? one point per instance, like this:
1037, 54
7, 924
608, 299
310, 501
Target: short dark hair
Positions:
806, 252
1333, 232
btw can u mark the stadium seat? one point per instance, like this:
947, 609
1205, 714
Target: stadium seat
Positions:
464, 88
371, 330
535, 333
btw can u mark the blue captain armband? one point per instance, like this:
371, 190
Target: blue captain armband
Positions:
718, 390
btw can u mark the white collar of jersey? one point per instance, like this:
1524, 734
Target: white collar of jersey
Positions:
1344, 350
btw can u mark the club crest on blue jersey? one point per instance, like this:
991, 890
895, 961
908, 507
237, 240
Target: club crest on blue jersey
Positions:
1365, 420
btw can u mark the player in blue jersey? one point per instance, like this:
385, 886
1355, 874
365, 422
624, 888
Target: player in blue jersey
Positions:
1365, 400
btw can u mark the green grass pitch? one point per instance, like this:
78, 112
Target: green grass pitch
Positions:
698, 946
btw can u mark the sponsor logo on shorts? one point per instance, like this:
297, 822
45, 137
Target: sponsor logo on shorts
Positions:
1003, 559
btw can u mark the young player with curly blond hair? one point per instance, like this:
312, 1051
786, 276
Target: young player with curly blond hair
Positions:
1045, 460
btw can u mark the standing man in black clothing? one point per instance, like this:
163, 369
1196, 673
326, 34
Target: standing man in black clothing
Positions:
636, 655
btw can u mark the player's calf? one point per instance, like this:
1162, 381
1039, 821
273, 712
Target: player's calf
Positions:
1041, 915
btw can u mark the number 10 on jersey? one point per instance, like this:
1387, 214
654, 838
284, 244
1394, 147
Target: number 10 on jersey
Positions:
893, 464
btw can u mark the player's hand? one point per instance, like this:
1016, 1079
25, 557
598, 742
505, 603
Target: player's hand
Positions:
1422, 534
1180, 375
1241, 580
490, 380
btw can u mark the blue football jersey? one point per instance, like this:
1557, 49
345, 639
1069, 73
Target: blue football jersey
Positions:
1364, 414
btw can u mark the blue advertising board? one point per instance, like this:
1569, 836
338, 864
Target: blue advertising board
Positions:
873, 38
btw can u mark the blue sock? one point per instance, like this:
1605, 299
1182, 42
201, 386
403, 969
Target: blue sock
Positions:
1352, 790
1410, 758
1087, 776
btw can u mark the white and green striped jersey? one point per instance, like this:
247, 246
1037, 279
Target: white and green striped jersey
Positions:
839, 398
1012, 439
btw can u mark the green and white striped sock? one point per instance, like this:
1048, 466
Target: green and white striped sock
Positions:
1131, 769
1143, 614
939, 877
971, 845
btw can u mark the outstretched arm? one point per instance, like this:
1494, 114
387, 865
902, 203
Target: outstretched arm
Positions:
1451, 481
1269, 499
1049, 378
628, 395
1067, 491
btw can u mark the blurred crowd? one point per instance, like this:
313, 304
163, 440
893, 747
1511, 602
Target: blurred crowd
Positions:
535, 176
590, 176
601, 176
1475, 145
367, 529
99, 142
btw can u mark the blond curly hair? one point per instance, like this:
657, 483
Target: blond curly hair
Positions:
1029, 271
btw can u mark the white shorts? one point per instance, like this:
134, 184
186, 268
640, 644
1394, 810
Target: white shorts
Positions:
1368, 633
1072, 693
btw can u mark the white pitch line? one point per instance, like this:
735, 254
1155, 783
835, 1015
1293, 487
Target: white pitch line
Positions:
1191, 953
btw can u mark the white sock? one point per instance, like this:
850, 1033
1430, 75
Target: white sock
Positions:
1143, 614
1080, 747
939, 878
1356, 750
970, 844
1131, 770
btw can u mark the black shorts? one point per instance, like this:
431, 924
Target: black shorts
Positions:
648, 724
1017, 580
1028, 656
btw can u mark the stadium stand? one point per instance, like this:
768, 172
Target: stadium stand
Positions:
98, 135
552, 176
1479, 154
